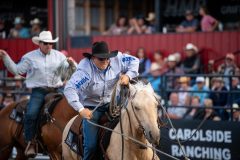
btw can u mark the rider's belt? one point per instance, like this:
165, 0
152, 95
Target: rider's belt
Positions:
47, 89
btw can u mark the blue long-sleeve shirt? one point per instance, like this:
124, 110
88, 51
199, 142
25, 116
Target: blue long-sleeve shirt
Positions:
89, 85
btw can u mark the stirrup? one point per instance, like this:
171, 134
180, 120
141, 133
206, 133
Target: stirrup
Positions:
34, 148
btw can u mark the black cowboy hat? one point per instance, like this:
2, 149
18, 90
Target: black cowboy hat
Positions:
100, 50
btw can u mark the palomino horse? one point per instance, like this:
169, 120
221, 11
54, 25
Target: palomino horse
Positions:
11, 134
140, 121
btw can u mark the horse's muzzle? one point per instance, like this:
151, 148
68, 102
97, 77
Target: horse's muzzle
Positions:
154, 137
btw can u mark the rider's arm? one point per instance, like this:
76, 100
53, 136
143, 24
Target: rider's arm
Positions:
130, 64
22, 67
77, 84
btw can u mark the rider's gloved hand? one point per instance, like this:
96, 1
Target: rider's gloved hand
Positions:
124, 79
86, 113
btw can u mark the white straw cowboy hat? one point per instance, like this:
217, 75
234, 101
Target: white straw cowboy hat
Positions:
35, 21
191, 46
44, 36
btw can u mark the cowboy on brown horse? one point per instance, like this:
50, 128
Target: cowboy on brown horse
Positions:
39, 66
93, 83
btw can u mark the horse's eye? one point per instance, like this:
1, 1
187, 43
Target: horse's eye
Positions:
137, 108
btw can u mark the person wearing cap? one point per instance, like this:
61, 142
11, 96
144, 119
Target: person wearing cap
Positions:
190, 24
172, 69
154, 77
219, 98
228, 68
191, 64
39, 66
92, 85
151, 26
202, 88
36, 27
236, 112
19, 31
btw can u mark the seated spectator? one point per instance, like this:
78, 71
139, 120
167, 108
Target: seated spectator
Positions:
190, 24
191, 112
191, 64
154, 78
219, 99
137, 26
236, 112
151, 27
184, 95
172, 69
158, 59
178, 58
235, 97
208, 23
3, 30
228, 68
145, 63
19, 31
36, 27
120, 27
175, 112
200, 86
8, 99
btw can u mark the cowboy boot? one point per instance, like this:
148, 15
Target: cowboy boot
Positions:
30, 150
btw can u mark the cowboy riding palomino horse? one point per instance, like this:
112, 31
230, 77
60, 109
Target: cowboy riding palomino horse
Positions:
11, 131
139, 121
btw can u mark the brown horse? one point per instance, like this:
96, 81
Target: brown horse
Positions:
11, 132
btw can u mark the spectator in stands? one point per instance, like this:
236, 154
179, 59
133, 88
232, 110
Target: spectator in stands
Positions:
191, 112
184, 95
228, 68
19, 87
151, 27
145, 63
8, 99
154, 78
19, 31
158, 59
210, 114
208, 23
178, 58
172, 69
201, 87
235, 97
137, 26
174, 111
236, 112
3, 30
120, 27
190, 24
191, 64
219, 99
36, 27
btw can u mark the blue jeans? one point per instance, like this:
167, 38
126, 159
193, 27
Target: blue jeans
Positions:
90, 132
32, 112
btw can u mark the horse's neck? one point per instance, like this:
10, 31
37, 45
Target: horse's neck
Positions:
129, 129
64, 112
